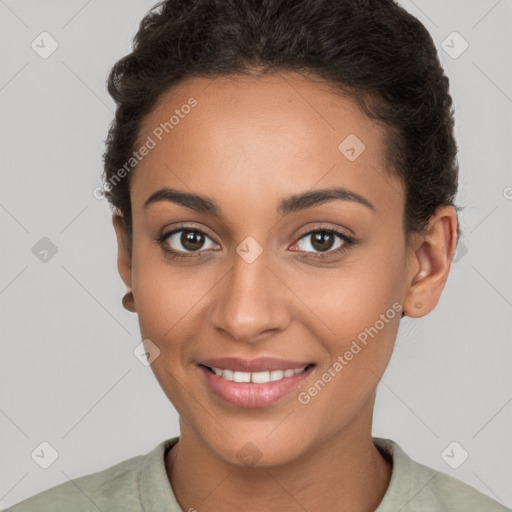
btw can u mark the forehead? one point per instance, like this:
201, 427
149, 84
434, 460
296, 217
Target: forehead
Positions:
247, 140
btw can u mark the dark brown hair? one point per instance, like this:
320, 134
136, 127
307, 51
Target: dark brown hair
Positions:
372, 50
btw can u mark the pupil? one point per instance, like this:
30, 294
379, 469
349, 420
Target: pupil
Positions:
319, 240
192, 240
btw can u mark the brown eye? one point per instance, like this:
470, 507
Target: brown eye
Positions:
186, 242
321, 244
192, 240
321, 240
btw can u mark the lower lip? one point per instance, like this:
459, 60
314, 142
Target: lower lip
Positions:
251, 395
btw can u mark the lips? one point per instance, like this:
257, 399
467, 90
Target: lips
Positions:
253, 383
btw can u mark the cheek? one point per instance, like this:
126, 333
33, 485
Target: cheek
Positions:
158, 294
357, 347
159, 298
343, 302
165, 310
170, 302
354, 312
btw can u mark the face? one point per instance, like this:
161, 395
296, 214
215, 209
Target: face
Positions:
256, 270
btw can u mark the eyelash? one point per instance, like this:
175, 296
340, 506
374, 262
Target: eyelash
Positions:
348, 243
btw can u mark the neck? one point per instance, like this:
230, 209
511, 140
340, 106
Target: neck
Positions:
344, 471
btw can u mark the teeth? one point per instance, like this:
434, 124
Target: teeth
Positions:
276, 375
241, 377
256, 377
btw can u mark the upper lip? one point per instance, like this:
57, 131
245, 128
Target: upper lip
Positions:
261, 364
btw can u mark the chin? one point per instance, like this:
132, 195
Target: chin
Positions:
258, 450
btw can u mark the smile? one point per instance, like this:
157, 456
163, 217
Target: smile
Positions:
255, 377
253, 389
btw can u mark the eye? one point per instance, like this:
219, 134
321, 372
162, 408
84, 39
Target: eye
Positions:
185, 242
324, 241
191, 242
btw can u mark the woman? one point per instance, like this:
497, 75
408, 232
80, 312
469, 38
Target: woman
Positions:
283, 177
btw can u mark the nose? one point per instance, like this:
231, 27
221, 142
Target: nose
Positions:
251, 301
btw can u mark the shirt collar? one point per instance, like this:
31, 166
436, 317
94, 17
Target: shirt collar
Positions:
155, 488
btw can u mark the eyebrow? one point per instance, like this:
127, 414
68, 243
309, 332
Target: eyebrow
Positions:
291, 204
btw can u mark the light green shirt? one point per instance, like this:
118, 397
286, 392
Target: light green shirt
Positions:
140, 484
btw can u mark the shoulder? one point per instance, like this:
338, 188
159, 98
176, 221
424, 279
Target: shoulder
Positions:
114, 489
456, 495
416, 487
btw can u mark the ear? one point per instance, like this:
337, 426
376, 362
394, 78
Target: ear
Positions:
431, 257
124, 265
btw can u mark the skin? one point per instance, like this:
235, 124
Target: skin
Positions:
249, 143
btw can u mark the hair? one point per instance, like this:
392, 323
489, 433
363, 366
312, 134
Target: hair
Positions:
374, 51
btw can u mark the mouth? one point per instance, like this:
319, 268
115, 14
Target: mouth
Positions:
255, 377
252, 390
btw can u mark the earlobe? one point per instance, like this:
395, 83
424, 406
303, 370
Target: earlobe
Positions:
128, 301
431, 263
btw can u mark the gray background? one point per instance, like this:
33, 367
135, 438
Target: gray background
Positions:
68, 373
